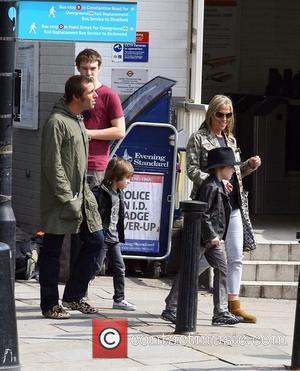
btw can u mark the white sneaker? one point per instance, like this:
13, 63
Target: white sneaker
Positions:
124, 305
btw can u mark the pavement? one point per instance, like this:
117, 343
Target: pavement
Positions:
67, 344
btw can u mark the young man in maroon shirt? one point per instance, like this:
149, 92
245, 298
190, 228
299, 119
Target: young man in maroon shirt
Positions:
105, 122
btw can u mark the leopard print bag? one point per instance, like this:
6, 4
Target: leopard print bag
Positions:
249, 242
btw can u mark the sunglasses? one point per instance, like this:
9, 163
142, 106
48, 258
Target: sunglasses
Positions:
220, 115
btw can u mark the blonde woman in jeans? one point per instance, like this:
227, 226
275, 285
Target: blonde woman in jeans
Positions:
217, 131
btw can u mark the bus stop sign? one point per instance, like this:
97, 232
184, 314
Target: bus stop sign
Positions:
80, 21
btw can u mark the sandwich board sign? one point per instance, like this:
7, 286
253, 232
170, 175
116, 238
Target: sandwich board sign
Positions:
149, 199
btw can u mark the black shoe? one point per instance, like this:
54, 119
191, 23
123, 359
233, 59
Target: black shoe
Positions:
224, 319
169, 315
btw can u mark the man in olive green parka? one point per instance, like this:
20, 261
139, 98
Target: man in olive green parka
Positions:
67, 204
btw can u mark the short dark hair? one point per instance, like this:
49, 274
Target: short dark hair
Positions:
117, 169
75, 86
88, 55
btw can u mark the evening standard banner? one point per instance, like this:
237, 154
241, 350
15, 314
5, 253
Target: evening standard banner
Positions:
143, 203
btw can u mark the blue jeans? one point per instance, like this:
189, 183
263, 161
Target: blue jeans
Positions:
113, 251
81, 274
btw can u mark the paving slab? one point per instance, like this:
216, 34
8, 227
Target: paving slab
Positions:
156, 352
216, 365
113, 365
152, 345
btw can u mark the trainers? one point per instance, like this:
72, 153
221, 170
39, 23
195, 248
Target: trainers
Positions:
125, 305
57, 312
81, 305
169, 315
225, 318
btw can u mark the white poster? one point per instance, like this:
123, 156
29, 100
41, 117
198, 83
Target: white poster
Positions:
220, 48
127, 80
143, 202
27, 60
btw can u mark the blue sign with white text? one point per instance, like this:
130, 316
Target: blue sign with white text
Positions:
136, 52
81, 21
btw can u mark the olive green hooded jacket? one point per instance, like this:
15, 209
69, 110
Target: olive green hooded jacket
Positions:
65, 194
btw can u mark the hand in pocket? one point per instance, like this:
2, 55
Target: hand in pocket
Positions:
71, 210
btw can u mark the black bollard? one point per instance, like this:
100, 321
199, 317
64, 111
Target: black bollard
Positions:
296, 342
9, 356
186, 321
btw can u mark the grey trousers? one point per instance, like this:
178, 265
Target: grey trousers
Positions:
214, 257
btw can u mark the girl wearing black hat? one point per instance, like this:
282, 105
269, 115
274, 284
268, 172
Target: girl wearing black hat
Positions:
215, 220
214, 225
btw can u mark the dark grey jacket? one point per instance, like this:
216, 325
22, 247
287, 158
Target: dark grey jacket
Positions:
104, 206
215, 219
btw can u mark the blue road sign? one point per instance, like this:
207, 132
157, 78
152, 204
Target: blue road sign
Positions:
118, 48
133, 52
136, 52
81, 21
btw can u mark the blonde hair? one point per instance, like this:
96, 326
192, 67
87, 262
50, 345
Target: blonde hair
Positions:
214, 106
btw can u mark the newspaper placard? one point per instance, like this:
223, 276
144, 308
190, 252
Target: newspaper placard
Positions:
143, 202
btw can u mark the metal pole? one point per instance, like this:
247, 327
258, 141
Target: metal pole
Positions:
196, 50
296, 343
9, 355
7, 65
186, 320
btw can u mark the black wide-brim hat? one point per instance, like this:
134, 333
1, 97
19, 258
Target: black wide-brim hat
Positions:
221, 156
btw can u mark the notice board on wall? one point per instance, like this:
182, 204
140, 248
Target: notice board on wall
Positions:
220, 48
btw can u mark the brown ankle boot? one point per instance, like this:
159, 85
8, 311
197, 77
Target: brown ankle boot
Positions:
235, 308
